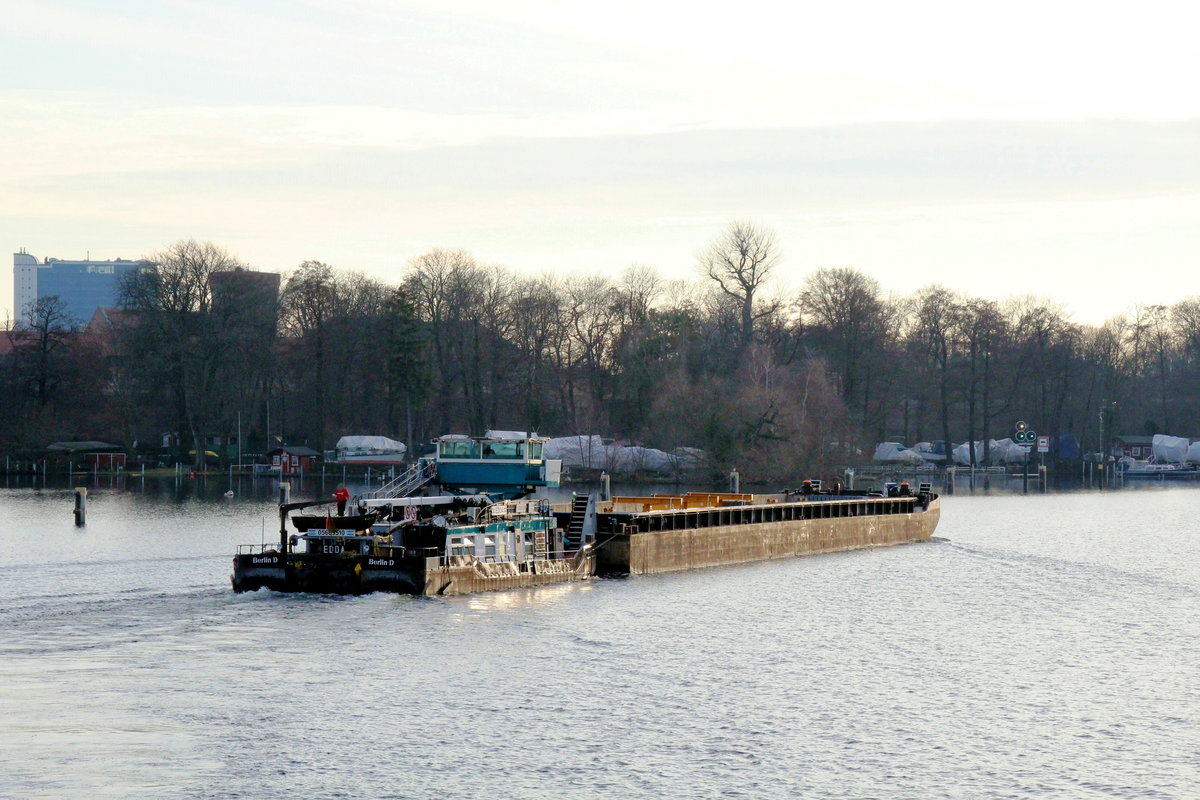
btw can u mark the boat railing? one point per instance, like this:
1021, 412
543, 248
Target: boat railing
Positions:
255, 549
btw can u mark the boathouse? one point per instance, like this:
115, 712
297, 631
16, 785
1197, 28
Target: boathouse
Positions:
97, 455
1139, 447
293, 459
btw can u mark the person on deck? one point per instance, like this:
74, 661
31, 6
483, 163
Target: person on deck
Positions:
342, 495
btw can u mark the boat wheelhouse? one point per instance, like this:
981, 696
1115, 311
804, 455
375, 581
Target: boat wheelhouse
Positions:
508, 465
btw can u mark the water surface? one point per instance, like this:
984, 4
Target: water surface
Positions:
1041, 646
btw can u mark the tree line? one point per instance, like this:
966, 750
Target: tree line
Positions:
775, 382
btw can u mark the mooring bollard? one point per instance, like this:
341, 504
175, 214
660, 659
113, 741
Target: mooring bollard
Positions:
80, 506
1042, 478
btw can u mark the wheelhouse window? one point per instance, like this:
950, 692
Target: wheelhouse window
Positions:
504, 450
458, 448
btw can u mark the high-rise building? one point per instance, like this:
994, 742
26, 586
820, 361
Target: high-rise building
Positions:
248, 299
83, 286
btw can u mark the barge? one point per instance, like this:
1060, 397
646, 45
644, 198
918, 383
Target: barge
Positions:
665, 533
480, 531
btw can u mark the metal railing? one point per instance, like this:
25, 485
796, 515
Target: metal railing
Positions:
407, 482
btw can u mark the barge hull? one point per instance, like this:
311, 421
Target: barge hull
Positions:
693, 548
480, 577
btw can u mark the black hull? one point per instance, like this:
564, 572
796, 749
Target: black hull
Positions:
364, 574
353, 522
328, 575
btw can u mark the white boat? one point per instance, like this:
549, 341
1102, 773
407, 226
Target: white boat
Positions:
1131, 468
369, 451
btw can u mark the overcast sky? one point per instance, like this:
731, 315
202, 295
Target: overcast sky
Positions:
1025, 147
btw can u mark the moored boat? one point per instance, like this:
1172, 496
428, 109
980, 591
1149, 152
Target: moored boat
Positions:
1133, 469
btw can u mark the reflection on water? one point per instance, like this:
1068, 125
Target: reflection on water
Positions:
1040, 646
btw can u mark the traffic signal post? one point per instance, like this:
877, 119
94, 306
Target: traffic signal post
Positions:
1026, 437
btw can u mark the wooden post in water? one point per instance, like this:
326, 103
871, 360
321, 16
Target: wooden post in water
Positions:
80, 506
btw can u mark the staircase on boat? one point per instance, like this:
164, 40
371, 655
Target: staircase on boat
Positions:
406, 482
574, 537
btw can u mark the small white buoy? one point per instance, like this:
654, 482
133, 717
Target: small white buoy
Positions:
229, 493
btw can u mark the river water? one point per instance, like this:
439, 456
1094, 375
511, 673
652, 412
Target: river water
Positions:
1041, 646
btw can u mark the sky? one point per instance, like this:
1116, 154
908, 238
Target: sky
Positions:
1044, 148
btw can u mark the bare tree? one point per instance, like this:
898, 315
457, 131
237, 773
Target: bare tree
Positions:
639, 287
176, 337
309, 302
48, 325
935, 326
846, 312
740, 260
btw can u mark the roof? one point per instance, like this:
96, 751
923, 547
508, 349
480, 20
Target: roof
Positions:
77, 447
296, 450
1135, 439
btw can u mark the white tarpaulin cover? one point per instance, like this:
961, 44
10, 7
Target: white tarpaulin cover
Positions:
1194, 452
363, 445
896, 453
592, 452
1169, 449
1006, 451
1002, 451
508, 435
925, 451
962, 453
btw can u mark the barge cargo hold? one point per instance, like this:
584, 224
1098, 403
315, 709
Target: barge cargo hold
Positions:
644, 535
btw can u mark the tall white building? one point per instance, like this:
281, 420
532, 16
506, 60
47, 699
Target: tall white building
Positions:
24, 282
